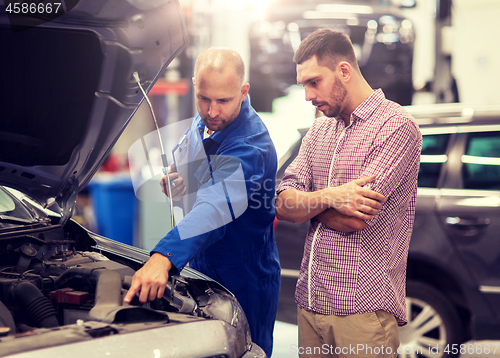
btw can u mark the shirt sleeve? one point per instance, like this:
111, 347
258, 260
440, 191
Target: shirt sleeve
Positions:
220, 200
394, 159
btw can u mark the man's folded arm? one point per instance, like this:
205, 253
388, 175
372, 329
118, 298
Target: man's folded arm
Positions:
298, 206
340, 222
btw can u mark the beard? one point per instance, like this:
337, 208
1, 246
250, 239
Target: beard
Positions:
336, 101
222, 121
222, 124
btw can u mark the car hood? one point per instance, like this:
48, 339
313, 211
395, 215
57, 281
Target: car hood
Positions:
68, 90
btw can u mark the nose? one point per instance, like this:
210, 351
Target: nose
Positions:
213, 110
310, 95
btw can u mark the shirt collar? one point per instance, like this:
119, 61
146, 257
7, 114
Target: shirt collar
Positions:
205, 133
368, 106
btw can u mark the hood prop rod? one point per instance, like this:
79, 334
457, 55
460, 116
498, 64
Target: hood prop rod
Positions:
163, 155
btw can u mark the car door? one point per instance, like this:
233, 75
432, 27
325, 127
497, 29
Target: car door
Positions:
428, 241
469, 206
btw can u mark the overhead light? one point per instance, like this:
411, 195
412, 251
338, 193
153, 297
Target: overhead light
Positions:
356, 9
314, 15
372, 24
258, 4
388, 38
293, 26
406, 24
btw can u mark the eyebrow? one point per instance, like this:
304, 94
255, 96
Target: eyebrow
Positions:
216, 99
315, 78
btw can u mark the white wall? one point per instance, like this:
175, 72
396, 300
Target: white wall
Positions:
476, 50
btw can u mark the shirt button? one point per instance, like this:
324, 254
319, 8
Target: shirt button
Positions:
169, 254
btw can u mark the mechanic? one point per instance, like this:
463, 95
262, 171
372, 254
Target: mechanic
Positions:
355, 179
228, 231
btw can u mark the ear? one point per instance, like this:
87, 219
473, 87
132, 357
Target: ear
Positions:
244, 90
194, 82
345, 70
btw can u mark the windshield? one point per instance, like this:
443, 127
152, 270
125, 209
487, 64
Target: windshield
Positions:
12, 211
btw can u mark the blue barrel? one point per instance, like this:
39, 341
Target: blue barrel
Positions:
114, 205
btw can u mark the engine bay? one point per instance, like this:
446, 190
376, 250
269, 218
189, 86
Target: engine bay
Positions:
46, 282
55, 277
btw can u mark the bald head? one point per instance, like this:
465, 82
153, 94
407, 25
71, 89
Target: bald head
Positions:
220, 60
218, 87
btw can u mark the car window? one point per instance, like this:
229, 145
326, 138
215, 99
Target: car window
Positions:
432, 158
481, 161
10, 210
6, 203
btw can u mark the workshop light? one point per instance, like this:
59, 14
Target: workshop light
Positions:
258, 4
241, 5
235, 5
314, 15
356, 9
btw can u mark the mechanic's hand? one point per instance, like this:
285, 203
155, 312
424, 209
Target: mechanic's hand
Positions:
352, 199
150, 281
176, 184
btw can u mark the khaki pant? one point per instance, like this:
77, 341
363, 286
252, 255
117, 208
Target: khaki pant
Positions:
372, 334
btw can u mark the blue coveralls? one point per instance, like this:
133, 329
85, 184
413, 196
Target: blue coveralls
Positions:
242, 253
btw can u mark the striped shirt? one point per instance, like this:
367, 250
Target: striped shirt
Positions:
363, 271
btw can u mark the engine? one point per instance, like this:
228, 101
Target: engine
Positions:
52, 278
45, 283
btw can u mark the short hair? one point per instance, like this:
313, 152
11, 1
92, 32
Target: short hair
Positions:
330, 47
220, 59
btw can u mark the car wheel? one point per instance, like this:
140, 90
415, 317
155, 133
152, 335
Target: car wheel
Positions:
433, 324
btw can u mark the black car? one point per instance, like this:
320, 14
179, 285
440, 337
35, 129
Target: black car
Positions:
453, 277
68, 92
382, 37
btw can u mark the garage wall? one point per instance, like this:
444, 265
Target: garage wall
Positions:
476, 50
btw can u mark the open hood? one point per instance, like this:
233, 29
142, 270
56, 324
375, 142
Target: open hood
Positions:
68, 91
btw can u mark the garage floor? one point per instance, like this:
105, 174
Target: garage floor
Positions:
286, 339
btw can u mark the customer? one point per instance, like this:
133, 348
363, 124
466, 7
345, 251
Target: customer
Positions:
355, 179
240, 252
